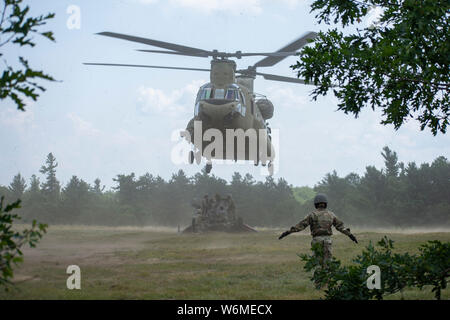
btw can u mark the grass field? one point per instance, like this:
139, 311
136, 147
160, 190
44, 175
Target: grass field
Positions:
158, 263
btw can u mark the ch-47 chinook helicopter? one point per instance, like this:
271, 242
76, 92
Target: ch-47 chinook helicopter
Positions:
227, 101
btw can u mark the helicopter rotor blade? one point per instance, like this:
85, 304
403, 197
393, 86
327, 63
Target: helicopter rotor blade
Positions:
175, 52
224, 54
156, 43
293, 46
143, 66
269, 54
274, 77
271, 57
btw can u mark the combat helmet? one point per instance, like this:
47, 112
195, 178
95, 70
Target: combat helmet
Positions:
320, 198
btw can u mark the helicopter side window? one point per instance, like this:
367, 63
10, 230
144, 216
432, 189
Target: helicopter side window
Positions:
242, 98
241, 108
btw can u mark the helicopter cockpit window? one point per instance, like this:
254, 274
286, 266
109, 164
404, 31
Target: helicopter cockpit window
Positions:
219, 94
205, 94
231, 94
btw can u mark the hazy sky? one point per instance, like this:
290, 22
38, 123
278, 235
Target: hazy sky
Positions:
101, 121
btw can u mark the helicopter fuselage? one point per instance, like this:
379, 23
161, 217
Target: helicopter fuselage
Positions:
230, 110
227, 102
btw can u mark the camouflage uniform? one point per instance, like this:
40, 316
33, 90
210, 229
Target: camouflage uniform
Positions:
231, 208
320, 222
205, 205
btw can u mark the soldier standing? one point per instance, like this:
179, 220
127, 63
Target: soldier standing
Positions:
320, 222
231, 208
212, 206
205, 205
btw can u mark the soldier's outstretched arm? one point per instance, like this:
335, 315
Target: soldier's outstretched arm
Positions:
298, 227
339, 225
302, 224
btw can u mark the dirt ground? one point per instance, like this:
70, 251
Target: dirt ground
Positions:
159, 263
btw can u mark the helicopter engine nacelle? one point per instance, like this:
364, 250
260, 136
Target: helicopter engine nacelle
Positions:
265, 107
222, 73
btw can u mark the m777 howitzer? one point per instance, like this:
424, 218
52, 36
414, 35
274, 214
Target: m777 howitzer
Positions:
216, 214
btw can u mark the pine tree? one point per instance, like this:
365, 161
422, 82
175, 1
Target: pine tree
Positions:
391, 162
97, 189
17, 187
75, 197
34, 185
51, 188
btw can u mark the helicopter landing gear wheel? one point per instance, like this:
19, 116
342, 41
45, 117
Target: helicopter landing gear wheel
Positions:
191, 157
208, 167
270, 168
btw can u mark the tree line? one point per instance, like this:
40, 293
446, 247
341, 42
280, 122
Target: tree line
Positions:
398, 195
